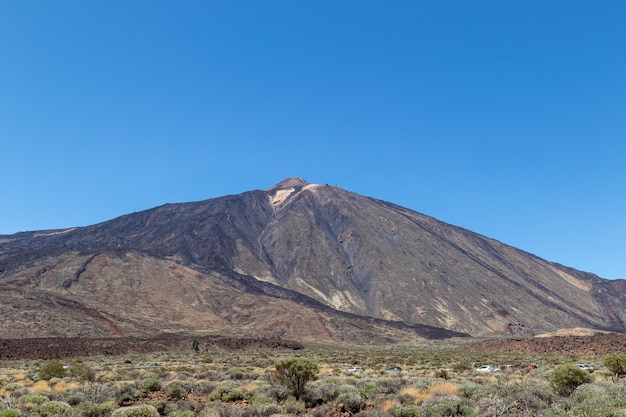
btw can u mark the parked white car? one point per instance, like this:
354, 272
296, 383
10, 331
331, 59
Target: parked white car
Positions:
585, 367
487, 368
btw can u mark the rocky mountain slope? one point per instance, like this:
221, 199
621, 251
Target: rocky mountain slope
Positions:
303, 261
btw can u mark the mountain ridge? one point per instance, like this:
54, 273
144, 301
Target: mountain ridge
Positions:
339, 257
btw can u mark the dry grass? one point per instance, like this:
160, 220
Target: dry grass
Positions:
40, 386
420, 395
387, 405
62, 387
250, 386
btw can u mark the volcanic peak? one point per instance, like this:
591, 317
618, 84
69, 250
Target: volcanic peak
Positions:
287, 188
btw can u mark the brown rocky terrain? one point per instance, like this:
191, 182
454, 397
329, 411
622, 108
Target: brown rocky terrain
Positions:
71, 347
572, 344
298, 261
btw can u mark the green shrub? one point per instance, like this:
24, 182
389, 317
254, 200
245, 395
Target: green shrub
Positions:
54, 409
143, 410
11, 412
293, 406
368, 389
125, 399
567, 377
446, 406
295, 373
411, 411
615, 363
82, 372
463, 365
13, 386
177, 390
52, 369
202, 388
162, 407
75, 398
32, 399
95, 410
182, 414
151, 385
352, 401
228, 394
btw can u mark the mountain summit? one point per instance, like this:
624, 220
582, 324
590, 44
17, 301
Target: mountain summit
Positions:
304, 261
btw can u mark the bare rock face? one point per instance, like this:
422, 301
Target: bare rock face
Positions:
303, 261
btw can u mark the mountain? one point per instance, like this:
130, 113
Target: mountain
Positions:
302, 261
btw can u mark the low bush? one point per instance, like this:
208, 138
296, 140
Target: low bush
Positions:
408, 411
567, 377
352, 401
95, 410
32, 399
82, 372
277, 392
228, 394
182, 414
74, 398
13, 386
162, 407
52, 369
177, 390
143, 410
151, 385
445, 405
53, 409
202, 388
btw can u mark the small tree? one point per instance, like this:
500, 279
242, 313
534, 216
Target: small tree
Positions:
565, 378
615, 363
294, 373
52, 369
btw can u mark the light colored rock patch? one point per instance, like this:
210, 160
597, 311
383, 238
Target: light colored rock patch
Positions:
302, 283
576, 331
338, 301
310, 187
280, 196
497, 325
578, 283
447, 320
58, 232
354, 300
388, 315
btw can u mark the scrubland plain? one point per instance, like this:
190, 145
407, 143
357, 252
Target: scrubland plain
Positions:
436, 379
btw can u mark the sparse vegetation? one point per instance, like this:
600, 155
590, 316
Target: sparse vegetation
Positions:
436, 380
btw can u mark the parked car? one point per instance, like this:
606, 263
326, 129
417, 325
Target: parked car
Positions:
394, 369
354, 369
487, 368
585, 367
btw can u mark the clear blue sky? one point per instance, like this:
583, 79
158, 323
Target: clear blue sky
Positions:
507, 118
